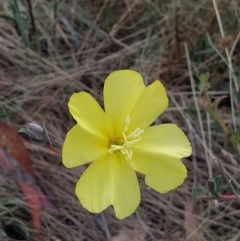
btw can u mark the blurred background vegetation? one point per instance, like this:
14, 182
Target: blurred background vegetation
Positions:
50, 49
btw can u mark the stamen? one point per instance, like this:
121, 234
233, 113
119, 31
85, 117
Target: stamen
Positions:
128, 153
125, 138
114, 148
133, 142
136, 134
125, 145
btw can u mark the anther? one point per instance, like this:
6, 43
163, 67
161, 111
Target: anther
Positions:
128, 119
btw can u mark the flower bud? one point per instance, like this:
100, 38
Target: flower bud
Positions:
33, 130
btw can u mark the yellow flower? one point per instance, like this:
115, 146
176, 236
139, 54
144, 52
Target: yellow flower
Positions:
118, 141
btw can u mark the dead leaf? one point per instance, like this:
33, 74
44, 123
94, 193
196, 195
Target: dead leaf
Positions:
15, 161
192, 225
13, 144
31, 194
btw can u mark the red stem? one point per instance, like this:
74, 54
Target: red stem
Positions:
52, 148
227, 197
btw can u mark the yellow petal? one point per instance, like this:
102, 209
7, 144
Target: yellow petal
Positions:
151, 104
109, 181
163, 173
89, 115
158, 155
122, 90
166, 139
81, 147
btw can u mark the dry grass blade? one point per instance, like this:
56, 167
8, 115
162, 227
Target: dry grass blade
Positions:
193, 227
236, 238
135, 234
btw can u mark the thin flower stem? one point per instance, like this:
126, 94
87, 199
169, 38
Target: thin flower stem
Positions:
228, 181
52, 148
215, 115
220, 197
201, 197
220, 122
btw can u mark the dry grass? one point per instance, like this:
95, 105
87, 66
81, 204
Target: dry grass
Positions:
71, 46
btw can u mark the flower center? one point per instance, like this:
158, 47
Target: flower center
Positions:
124, 143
